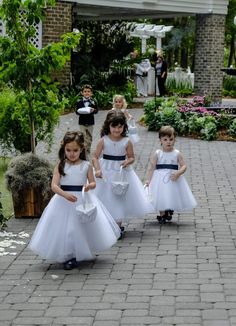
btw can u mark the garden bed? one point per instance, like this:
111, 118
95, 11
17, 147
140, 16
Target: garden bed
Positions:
193, 118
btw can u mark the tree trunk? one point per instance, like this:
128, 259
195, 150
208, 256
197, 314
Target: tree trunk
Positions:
232, 50
32, 135
31, 116
184, 57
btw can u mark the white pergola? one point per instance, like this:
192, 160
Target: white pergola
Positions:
145, 31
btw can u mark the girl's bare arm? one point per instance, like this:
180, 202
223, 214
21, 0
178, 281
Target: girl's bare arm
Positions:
130, 155
182, 168
128, 115
95, 160
91, 180
153, 163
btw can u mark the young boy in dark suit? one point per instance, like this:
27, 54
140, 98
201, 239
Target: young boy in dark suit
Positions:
86, 108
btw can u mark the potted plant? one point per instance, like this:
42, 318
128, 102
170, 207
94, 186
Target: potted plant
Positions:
28, 178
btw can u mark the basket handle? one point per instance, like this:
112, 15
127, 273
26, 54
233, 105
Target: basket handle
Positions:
121, 173
146, 186
131, 122
83, 198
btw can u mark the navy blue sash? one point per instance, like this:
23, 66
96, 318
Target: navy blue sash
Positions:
114, 158
71, 188
167, 166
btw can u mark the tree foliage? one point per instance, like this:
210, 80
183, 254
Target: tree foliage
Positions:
100, 44
28, 69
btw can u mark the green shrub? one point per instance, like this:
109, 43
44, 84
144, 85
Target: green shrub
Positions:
229, 86
232, 128
223, 121
2, 218
205, 126
150, 108
15, 129
159, 113
70, 97
209, 131
169, 116
195, 123
5, 196
28, 171
104, 99
181, 88
188, 117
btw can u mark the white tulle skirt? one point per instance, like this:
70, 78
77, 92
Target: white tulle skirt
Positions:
60, 236
167, 194
134, 204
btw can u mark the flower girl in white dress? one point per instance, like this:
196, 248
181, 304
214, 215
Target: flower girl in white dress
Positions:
167, 185
119, 103
60, 235
113, 152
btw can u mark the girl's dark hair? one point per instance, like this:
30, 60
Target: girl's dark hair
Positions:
114, 118
167, 131
69, 137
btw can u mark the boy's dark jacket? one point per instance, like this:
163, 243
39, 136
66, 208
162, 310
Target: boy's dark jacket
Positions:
86, 119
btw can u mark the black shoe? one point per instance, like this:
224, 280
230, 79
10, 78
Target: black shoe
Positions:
70, 264
169, 212
168, 218
168, 215
161, 219
122, 232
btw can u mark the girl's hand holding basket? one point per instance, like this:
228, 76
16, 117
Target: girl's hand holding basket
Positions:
98, 174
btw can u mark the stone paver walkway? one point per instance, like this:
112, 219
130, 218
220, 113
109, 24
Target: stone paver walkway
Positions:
183, 273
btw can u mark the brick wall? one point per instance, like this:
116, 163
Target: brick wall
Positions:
58, 21
209, 54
